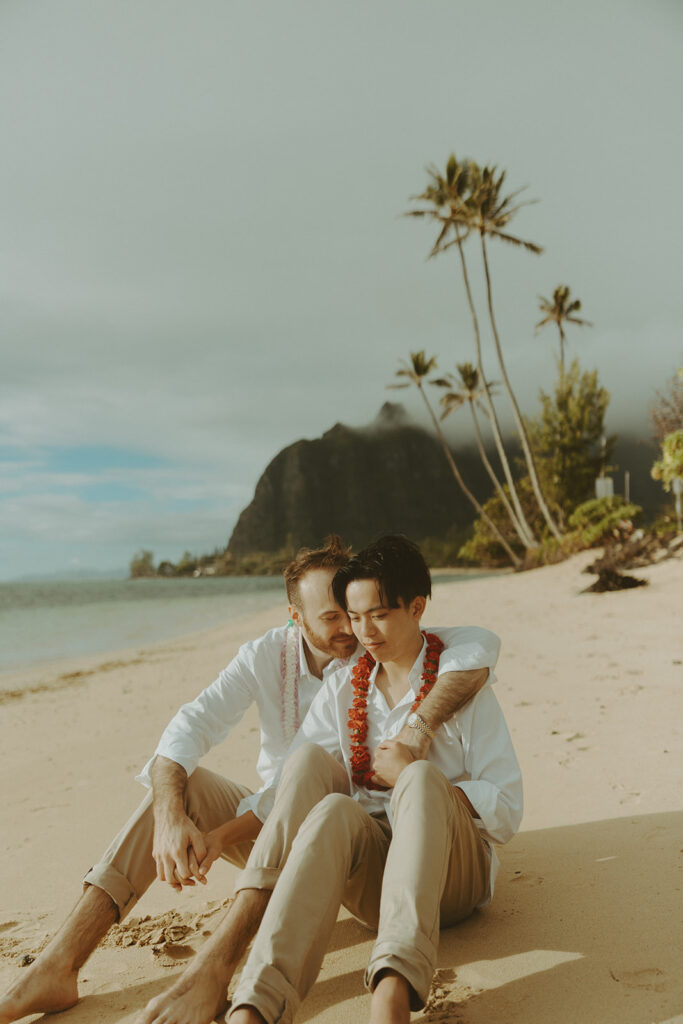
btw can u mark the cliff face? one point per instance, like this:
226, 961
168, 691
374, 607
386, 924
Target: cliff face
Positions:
390, 477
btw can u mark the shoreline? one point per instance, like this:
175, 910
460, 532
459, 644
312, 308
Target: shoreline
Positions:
48, 672
55, 673
591, 687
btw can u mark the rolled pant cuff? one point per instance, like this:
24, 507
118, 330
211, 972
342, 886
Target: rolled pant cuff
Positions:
257, 878
269, 992
116, 886
413, 961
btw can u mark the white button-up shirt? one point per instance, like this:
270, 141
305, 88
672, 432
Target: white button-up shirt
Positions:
473, 749
255, 676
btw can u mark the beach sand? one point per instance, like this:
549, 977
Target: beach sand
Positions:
586, 921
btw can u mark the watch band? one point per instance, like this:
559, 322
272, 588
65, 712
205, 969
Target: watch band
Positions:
417, 722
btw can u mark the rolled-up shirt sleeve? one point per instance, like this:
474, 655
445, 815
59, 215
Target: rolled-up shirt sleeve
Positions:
495, 784
208, 719
466, 648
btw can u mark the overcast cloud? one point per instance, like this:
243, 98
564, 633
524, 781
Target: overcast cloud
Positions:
202, 258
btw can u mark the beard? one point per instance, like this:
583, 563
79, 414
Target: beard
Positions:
339, 645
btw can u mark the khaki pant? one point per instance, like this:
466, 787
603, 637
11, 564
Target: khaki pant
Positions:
431, 872
127, 868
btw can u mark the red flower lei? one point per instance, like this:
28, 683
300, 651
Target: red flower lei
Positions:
361, 772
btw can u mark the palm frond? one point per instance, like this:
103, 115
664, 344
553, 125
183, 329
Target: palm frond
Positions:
580, 322
450, 402
513, 240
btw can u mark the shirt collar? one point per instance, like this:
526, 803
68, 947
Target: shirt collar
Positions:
414, 676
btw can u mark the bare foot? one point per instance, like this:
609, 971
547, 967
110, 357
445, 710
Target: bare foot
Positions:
41, 989
196, 998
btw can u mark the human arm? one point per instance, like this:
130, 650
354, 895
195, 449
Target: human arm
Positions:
206, 721
494, 786
469, 653
178, 846
238, 830
451, 692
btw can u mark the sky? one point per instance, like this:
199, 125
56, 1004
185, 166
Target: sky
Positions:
203, 258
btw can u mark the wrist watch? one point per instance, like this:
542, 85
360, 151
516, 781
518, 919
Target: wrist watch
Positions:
415, 721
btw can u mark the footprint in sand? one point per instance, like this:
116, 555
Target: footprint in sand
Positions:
170, 954
519, 876
21, 939
650, 978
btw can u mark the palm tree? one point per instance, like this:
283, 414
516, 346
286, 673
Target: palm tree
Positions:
471, 389
490, 213
447, 195
416, 371
561, 311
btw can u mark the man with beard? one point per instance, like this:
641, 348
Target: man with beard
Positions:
191, 816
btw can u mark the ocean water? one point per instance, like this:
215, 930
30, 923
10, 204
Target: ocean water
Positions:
47, 621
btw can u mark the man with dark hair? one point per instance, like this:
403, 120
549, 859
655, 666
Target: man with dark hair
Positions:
192, 816
395, 564
404, 862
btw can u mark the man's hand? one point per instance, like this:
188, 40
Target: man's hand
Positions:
391, 757
239, 830
417, 742
179, 847
178, 850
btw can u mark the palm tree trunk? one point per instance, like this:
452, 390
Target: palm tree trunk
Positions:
529, 539
514, 558
519, 422
496, 483
562, 411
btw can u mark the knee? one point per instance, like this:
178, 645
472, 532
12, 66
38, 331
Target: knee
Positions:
335, 814
309, 758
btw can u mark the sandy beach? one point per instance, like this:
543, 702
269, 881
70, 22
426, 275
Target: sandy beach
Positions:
586, 921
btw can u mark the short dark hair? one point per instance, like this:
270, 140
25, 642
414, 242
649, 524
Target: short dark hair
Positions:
332, 556
395, 562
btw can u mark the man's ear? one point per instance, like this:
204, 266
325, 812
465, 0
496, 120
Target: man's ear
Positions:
294, 614
417, 607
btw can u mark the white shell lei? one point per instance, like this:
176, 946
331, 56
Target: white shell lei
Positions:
290, 670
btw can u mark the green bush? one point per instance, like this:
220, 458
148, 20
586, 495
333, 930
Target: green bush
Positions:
594, 521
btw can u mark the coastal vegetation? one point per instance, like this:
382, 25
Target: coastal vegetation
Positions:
529, 498
564, 448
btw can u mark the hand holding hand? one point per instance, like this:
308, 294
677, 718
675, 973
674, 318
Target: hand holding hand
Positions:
178, 850
232, 832
391, 757
214, 845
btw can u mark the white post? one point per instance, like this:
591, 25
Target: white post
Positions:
627, 486
677, 488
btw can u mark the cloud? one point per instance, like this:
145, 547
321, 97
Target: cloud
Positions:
203, 258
